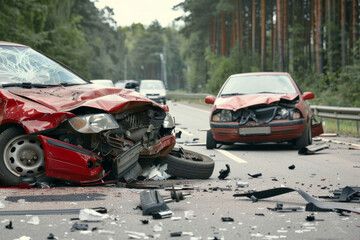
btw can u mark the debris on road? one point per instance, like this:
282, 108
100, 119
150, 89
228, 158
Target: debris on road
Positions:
227, 219
255, 175
224, 172
292, 167
180, 234
90, 215
279, 208
79, 226
49, 211
9, 226
311, 218
178, 134
311, 149
346, 194
34, 220
316, 205
242, 184
152, 202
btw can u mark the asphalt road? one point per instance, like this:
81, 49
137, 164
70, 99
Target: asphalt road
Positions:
210, 200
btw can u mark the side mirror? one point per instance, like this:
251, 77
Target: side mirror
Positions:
308, 95
210, 99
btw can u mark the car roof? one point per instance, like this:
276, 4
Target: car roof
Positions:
3, 43
151, 80
260, 73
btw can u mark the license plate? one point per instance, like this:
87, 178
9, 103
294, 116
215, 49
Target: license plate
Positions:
254, 131
125, 160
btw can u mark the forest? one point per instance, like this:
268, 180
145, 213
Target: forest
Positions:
316, 41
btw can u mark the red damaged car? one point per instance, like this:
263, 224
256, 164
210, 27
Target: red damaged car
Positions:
261, 107
56, 124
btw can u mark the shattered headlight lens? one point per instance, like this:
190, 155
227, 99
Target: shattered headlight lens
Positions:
93, 123
222, 116
283, 113
169, 121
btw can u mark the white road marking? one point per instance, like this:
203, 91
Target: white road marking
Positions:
184, 131
231, 156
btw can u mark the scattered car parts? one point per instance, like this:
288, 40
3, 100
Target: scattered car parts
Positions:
313, 148
224, 172
279, 191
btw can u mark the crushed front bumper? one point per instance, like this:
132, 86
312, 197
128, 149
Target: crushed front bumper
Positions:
276, 131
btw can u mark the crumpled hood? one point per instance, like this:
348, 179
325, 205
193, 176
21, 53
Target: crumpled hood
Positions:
62, 99
243, 101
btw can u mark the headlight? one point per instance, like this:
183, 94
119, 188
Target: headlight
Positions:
283, 113
222, 116
162, 94
295, 114
169, 121
93, 123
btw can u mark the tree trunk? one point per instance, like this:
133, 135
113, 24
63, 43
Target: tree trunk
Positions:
223, 35
241, 24
343, 12
318, 16
253, 31
233, 35
213, 34
263, 34
278, 23
329, 36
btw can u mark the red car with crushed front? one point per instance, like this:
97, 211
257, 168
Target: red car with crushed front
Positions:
261, 107
56, 124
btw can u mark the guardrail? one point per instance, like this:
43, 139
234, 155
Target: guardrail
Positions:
338, 113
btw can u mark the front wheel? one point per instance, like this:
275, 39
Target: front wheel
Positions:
20, 155
210, 141
188, 164
305, 139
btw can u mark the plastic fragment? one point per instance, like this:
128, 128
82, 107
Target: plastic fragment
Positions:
255, 175
9, 226
178, 134
162, 215
242, 184
189, 215
224, 172
292, 167
34, 220
91, 215
106, 232
23, 238
51, 236
79, 226
253, 198
157, 228
145, 221
260, 214
227, 219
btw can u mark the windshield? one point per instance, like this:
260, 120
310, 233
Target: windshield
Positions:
25, 65
151, 85
258, 84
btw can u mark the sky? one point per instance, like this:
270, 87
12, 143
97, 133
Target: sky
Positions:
128, 12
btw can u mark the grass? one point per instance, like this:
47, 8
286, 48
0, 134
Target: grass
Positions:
346, 127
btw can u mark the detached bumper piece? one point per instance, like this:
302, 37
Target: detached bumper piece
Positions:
346, 194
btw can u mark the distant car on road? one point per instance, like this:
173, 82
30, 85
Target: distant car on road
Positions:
261, 107
154, 90
128, 84
103, 82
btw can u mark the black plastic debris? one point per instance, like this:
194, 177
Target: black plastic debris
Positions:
346, 194
162, 215
260, 214
51, 236
178, 134
195, 139
49, 211
311, 218
255, 175
79, 226
227, 219
152, 202
279, 208
311, 149
145, 221
224, 172
253, 195
9, 226
175, 234
292, 167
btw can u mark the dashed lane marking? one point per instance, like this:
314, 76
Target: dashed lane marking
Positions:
231, 156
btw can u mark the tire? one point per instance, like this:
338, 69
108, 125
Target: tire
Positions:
20, 155
164, 101
210, 141
305, 139
195, 166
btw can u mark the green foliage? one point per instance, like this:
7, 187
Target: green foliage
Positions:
349, 86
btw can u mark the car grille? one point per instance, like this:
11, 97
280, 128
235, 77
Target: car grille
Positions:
135, 120
266, 115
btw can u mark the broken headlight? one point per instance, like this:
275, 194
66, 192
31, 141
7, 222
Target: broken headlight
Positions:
169, 121
282, 113
93, 123
295, 114
222, 116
